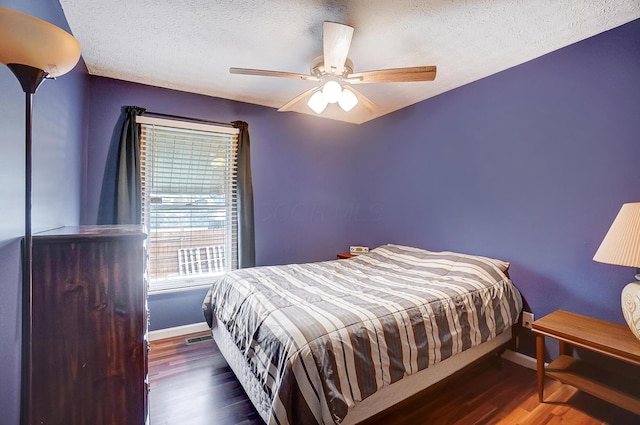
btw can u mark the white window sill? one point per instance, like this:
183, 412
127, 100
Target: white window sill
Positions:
182, 283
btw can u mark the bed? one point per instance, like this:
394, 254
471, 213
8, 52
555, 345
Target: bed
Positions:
338, 341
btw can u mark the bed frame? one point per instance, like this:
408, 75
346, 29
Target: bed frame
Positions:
380, 400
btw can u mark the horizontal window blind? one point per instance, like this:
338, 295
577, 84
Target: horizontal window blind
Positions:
188, 174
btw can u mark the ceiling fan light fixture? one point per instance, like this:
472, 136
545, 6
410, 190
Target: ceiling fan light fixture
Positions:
317, 102
333, 70
332, 91
347, 100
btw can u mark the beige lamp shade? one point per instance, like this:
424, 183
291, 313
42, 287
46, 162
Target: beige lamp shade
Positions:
621, 245
26, 40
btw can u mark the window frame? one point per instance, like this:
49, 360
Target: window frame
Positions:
187, 282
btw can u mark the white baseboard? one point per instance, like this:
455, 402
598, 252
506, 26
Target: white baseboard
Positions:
520, 359
510, 355
178, 331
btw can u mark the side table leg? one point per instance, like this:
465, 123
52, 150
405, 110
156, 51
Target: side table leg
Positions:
562, 348
540, 366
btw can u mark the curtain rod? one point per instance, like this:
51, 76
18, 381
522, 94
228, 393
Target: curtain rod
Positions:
158, 114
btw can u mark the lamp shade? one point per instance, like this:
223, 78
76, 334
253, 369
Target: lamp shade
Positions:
26, 40
621, 245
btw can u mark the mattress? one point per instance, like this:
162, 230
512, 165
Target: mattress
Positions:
318, 339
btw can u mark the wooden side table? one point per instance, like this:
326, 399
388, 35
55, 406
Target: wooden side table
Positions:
344, 255
609, 339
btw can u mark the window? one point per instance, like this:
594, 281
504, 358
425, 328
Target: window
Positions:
188, 175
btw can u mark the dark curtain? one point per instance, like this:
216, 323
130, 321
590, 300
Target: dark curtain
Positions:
127, 202
246, 232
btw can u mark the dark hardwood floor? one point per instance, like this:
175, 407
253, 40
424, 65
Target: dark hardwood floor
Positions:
193, 385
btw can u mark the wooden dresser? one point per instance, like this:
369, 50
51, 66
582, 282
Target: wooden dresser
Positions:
89, 332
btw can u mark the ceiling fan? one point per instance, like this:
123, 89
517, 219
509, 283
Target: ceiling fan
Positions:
334, 72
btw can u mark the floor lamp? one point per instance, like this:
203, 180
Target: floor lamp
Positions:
34, 50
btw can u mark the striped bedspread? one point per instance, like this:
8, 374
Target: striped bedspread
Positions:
320, 337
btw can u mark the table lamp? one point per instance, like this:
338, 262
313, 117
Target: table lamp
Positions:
33, 50
621, 246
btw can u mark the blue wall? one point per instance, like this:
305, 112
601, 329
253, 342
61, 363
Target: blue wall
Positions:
58, 131
530, 165
304, 169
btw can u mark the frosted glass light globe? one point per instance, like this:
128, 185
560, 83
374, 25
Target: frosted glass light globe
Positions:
332, 91
27, 40
348, 100
317, 102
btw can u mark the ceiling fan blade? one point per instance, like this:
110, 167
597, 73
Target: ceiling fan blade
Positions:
296, 100
363, 100
395, 75
265, 73
336, 40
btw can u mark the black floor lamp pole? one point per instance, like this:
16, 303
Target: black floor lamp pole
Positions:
30, 79
27, 246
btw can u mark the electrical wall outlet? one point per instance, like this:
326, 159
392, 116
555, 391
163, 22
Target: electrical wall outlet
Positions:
527, 319
357, 250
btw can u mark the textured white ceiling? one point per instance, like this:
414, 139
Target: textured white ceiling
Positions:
189, 45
